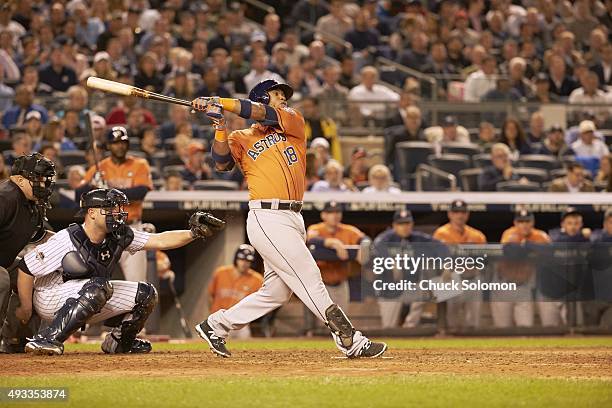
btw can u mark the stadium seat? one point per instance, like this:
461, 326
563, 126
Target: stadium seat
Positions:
179, 168
482, 160
72, 158
154, 173
468, 149
450, 163
158, 184
517, 186
540, 161
469, 179
409, 156
137, 153
215, 185
532, 174
556, 173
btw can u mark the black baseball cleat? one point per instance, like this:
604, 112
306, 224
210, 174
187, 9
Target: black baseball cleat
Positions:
44, 347
216, 343
9, 347
371, 350
141, 346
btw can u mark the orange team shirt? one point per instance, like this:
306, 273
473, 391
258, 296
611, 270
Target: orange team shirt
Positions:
273, 159
134, 172
334, 272
511, 236
449, 235
227, 287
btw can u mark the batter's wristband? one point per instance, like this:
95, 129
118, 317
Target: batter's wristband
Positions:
246, 107
221, 135
221, 158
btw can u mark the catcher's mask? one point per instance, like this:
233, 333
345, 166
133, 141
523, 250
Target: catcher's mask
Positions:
111, 202
40, 172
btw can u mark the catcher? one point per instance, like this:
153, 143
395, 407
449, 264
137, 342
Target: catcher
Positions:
67, 279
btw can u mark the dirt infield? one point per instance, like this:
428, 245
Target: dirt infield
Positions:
537, 362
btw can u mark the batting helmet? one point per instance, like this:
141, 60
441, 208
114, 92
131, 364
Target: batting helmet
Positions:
259, 93
36, 168
246, 252
117, 134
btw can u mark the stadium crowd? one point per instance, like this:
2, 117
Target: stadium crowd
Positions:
330, 53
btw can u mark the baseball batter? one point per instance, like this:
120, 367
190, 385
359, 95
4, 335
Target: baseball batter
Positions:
271, 154
67, 279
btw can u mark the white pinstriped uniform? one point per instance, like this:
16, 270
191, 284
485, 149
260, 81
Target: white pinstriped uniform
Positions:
51, 292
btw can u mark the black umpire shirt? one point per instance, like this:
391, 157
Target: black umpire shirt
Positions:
16, 226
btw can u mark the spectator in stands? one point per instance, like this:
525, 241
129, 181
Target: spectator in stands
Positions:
173, 181
278, 62
517, 308
180, 85
356, 172
56, 74
223, 38
486, 134
438, 65
148, 142
148, 77
347, 72
54, 133
481, 81
308, 11
317, 126
417, 56
462, 310
380, 181
573, 182
33, 125
363, 38
51, 152
232, 283
503, 91
320, 147
605, 169
259, 71
462, 29
449, 132
337, 22
588, 148
179, 116
333, 235
603, 68
372, 96
212, 85
554, 144
74, 175
390, 304
410, 130
561, 84
312, 169
500, 170
332, 179
296, 51
6, 93
456, 59
589, 93
195, 166
73, 128
21, 144
513, 135
24, 97
542, 92
536, 132
517, 68
271, 27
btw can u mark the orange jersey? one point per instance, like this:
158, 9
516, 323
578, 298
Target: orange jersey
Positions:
334, 272
132, 173
227, 287
273, 159
511, 236
449, 235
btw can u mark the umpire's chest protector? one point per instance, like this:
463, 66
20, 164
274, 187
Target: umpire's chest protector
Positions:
96, 260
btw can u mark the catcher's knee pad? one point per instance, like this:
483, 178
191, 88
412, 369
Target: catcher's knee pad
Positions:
95, 293
340, 325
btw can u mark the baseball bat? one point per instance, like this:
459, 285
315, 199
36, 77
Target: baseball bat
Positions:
129, 90
91, 138
179, 309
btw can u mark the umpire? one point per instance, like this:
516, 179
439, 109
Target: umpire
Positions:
25, 199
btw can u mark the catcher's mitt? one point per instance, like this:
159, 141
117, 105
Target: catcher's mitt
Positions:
204, 225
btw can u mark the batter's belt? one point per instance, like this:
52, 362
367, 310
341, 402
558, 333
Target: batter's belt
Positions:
286, 205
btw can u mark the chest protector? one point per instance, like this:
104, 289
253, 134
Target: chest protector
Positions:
94, 260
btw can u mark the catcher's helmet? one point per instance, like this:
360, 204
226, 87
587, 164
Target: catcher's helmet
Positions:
36, 168
246, 252
106, 198
117, 134
259, 93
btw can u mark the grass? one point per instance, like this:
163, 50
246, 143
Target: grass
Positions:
393, 390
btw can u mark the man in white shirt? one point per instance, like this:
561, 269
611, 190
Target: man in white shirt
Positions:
589, 93
588, 145
482, 81
373, 95
259, 71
